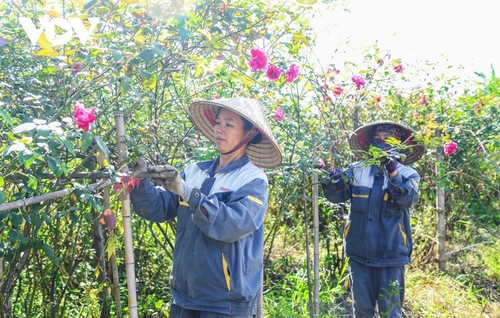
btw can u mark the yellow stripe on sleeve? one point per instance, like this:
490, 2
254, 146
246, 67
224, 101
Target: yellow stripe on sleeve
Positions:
256, 200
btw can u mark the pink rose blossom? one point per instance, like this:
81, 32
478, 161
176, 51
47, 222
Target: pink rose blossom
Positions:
450, 148
223, 7
279, 114
258, 61
292, 74
273, 73
216, 96
337, 90
359, 81
320, 164
422, 100
83, 117
76, 67
398, 68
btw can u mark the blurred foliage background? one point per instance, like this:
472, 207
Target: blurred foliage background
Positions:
150, 60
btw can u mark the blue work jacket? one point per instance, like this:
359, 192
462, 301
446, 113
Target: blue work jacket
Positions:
377, 232
218, 259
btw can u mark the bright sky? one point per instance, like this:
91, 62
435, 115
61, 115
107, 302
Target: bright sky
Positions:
452, 32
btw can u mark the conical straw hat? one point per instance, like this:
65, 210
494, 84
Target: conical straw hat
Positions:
362, 137
266, 153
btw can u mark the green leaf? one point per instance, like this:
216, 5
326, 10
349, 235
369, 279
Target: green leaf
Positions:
69, 145
147, 55
6, 116
86, 140
102, 145
13, 236
33, 183
16, 220
50, 253
53, 164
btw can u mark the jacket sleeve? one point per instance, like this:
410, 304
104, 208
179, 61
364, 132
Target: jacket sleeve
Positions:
403, 188
153, 203
231, 216
337, 191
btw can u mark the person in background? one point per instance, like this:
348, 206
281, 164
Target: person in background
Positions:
220, 207
377, 234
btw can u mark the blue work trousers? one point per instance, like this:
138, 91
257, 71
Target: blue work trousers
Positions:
179, 312
384, 286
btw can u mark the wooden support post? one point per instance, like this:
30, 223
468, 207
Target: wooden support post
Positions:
127, 228
316, 244
441, 209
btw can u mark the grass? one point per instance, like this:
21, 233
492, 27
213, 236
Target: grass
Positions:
440, 295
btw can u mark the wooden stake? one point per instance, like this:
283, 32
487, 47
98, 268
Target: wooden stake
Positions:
48, 196
441, 209
127, 228
316, 244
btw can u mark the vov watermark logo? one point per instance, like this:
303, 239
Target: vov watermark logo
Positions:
57, 30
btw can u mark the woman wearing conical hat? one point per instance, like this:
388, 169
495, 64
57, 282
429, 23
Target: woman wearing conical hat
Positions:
220, 207
377, 235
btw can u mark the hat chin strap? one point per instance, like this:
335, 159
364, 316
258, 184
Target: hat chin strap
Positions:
251, 134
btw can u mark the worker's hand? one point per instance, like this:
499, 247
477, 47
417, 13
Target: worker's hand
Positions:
174, 184
337, 177
139, 165
391, 164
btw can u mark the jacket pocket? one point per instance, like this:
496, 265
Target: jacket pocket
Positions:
359, 199
391, 210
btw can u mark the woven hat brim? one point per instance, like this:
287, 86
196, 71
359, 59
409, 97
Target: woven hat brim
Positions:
360, 140
265, 154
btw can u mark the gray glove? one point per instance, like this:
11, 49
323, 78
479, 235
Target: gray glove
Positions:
174, 184
139, 165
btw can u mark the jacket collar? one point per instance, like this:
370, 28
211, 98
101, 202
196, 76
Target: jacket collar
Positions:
210, 166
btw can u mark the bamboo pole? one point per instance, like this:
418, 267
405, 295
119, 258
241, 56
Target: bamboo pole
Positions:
61, 193
316, 244
48, 196
127, 228
308, 256
441, 210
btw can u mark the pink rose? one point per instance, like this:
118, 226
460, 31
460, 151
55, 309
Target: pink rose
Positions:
258, 61
292, 74
398, 68
320, 164
76, 67
450, 148
216, 96
337, 90
273, 73
279, 114
83, 117
359, 81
